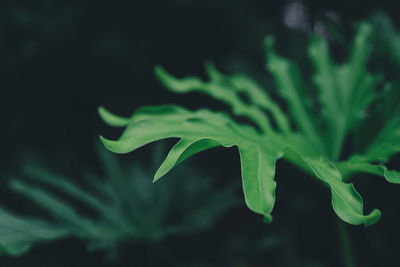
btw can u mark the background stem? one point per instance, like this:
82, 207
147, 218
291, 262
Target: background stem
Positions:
345, 244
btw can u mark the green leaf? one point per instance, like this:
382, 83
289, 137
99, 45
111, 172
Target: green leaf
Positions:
346, 201
55, 206
65, 185
257, 95
258, 171
218, 90
387, 143
386, 35
314, 143
112, 119
360, 164
128, 206
182, 150
346, 90
201, 130
290, 86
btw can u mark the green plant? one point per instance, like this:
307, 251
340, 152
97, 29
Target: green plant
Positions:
124, 207
311, 134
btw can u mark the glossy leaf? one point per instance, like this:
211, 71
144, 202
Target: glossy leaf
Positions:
360, 164
346, 201
314, 143
202, 130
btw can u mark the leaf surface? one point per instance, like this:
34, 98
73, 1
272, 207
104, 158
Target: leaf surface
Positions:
346, 201
311, 135
202, 130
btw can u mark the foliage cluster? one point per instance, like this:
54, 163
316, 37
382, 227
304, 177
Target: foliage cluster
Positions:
322, 113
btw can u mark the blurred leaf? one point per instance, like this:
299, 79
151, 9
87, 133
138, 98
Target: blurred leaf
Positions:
345, 90
17, 234
387, 36
123, 210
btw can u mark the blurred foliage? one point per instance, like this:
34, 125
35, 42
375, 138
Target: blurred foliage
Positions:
126, 204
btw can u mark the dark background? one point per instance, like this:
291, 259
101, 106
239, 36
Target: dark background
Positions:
60, 60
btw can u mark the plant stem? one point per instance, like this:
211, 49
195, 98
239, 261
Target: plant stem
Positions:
338, 140
345, 244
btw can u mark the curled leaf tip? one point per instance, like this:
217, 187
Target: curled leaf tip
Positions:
373, 217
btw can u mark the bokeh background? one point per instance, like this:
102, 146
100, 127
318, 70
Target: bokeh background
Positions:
60, 60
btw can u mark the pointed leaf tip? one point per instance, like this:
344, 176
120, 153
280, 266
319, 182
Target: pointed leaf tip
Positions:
158, 69
102, 139
157, 176
161, 74
185, 148
111, 145
169, 81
